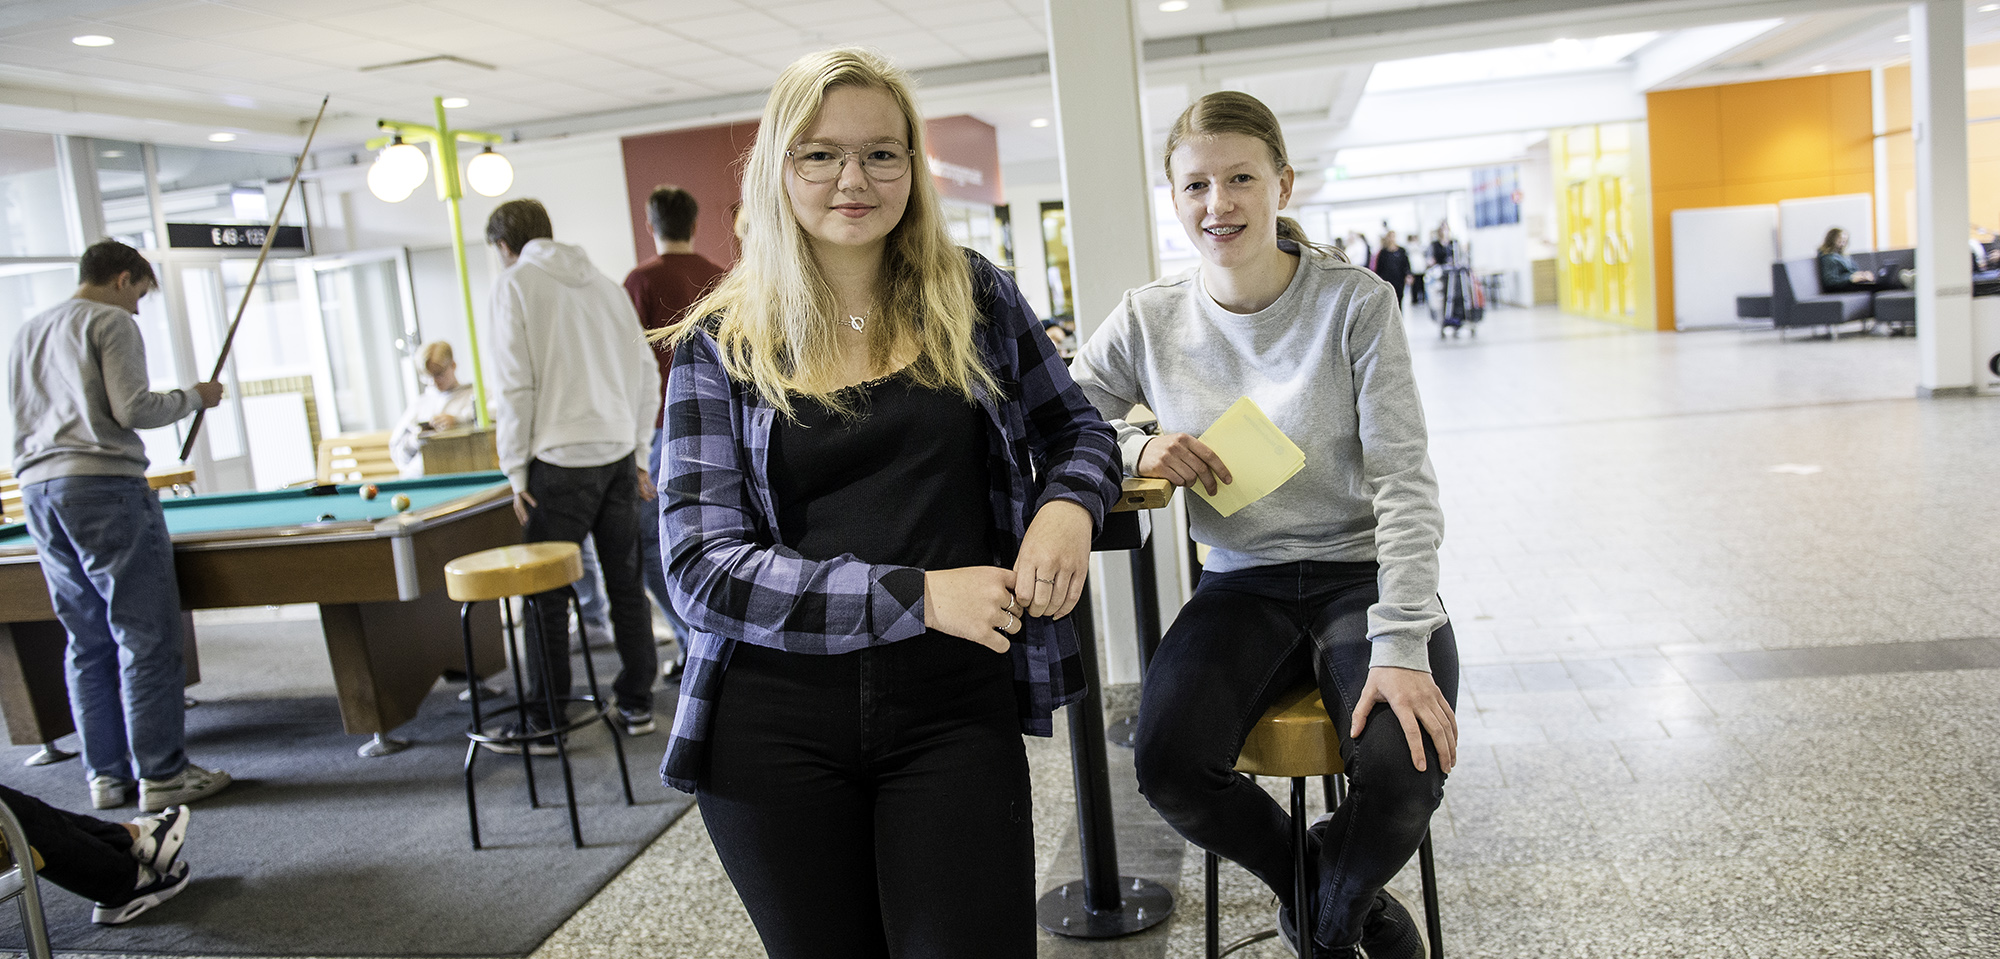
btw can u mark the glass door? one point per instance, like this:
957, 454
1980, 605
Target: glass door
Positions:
362, 310
221, 458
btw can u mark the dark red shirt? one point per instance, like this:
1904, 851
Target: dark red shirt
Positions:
662, 289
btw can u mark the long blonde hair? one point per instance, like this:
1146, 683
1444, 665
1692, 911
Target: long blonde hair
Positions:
776, 309
1231, 111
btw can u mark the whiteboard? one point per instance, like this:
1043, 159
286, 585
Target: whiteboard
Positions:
1721, 253
1802, 224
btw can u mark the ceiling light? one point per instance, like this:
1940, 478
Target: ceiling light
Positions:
92, 40
1819, 69
1902, 38
397, 172
1039, 122
453, 103
1173, 6
1989, 8
221, 137
489, 173
112, 154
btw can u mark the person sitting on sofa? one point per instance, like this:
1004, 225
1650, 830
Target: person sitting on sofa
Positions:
1837, 273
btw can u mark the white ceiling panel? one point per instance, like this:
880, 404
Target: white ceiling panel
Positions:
829, 12
666, 12
549, 18
192, 19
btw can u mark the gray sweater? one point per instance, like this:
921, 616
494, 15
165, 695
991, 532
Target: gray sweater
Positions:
1328, 362
77, 381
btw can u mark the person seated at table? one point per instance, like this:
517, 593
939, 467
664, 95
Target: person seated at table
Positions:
80, 395
881, 489
444, 404
125, 868
1331, 578
1837, 272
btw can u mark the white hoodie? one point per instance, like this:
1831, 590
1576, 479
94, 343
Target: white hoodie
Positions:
578, 386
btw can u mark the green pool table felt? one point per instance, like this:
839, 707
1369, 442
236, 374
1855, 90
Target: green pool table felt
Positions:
294, 507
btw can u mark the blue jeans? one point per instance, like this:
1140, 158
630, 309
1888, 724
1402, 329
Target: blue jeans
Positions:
1245, 638
110, 570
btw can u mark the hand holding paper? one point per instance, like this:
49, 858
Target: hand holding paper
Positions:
1260, 456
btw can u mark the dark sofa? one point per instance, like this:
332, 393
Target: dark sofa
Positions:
1796, 299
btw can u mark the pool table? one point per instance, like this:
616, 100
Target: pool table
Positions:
376, 574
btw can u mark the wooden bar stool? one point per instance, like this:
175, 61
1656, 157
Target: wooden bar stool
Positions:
526, 570
1296, 739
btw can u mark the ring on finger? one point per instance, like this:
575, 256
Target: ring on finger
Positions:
1010, 621
1051, 582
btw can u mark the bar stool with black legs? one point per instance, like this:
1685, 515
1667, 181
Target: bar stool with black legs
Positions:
1297, 740
527, 570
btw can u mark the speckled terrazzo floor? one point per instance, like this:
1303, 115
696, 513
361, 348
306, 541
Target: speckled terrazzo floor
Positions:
1709, 708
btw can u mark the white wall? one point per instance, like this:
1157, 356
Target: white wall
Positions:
1024, 212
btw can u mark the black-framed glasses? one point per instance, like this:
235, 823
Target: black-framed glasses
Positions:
820, 162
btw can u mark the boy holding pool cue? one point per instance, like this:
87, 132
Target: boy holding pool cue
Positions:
80, 394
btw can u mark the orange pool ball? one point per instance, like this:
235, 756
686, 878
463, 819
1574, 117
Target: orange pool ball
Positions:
400, 502
368, 490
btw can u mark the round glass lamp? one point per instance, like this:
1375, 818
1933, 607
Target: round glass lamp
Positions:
397, 172
489, 173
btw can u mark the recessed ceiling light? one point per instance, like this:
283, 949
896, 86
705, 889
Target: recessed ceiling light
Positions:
1902, 38
1173, 6
1819, 69
453, 103
92, 40
1039, 122
112, 154
221, 137
1989, 8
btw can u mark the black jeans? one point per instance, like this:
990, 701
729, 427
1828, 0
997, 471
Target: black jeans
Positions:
600, 501
1245, 638
83, 854
875, 803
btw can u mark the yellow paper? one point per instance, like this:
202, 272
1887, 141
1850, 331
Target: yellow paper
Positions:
1260, 457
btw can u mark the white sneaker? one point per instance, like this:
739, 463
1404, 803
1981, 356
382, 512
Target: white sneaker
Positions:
110, 792
192, 783
160, 838
151, 889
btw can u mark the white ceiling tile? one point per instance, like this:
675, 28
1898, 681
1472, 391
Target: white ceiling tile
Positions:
816, 12
647, 42
311, 9
667, 12
194, 19
310, 40
944, 15
860, 33
724, 30
425, 26
545, 18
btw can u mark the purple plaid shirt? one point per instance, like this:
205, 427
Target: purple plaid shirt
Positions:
733, 581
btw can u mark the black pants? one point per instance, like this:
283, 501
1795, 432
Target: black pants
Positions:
875, 803
83, 854
600, 501
1243, 639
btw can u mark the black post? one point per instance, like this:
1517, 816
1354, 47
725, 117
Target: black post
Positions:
1146, 620
1103, 904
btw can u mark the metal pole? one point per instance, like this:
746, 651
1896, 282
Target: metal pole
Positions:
447, 161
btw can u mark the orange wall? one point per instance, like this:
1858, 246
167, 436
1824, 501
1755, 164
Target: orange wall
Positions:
1753, 143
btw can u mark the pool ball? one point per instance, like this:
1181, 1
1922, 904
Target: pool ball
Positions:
400, 502
368, 490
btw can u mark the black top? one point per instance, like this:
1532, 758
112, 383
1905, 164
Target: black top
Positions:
902, 482
1393, 266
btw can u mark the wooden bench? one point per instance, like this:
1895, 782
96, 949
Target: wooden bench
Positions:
356, 458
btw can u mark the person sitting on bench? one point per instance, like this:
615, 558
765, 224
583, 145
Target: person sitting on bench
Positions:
1837, 273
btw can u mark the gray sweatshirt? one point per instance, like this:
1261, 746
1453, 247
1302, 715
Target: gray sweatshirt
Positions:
77, 381
1329, 364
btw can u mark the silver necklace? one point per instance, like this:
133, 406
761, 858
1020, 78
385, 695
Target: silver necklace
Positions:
857, 322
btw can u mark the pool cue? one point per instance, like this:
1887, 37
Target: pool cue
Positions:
270, 235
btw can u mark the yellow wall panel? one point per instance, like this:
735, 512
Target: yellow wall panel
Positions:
1755, 143
1683, 138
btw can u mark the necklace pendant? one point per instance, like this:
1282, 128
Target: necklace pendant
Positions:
856, 321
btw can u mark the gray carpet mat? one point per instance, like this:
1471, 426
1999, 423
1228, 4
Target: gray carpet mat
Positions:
315, 851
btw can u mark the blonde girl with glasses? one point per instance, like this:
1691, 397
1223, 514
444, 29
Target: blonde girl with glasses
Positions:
1331, 579
879, 491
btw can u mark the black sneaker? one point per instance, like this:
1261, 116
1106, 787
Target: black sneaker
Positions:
151, 889
538, 746
1290, 937
636, 722
160, 838
1391, 931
